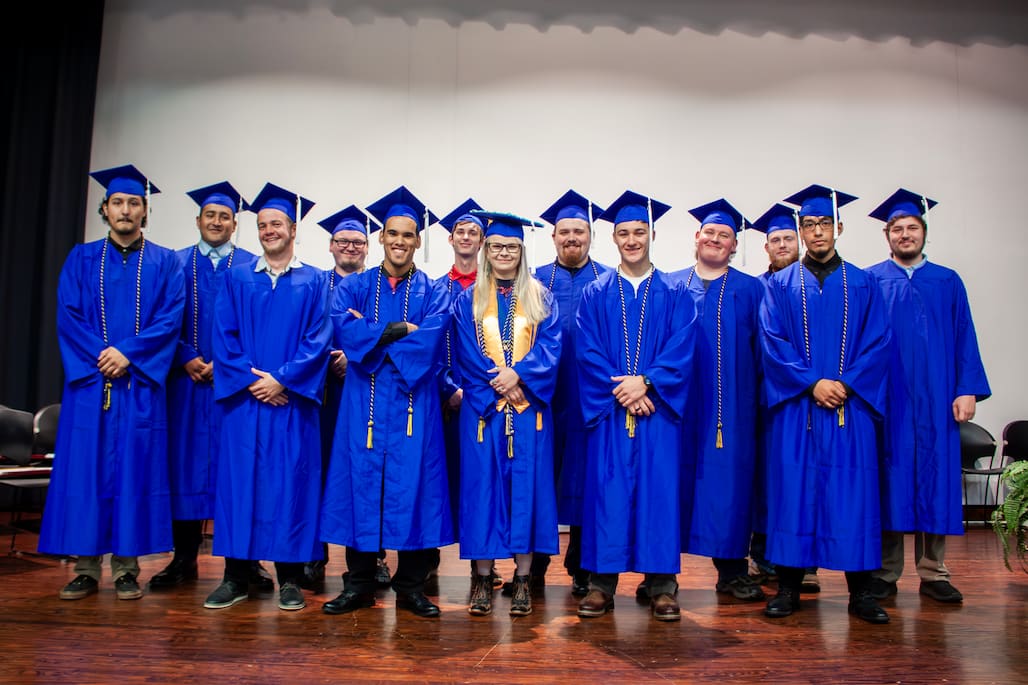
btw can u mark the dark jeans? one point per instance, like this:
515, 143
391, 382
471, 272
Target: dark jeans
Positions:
411, 569
656, 583
792, 578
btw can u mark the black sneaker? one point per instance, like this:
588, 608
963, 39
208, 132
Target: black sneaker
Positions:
81, 586
225, 595
290, 597
741, 587
941, 591
866, 608
127, 587
882, 589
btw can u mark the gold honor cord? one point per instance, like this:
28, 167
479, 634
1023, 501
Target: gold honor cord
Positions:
410, 395
841, 411
507, 342
103, 307
719, 442
632, 366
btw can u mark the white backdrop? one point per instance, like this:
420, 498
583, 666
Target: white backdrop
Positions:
513, 105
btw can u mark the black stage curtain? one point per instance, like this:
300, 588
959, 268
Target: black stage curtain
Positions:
50, 63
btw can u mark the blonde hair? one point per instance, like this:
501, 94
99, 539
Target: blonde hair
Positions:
527, 289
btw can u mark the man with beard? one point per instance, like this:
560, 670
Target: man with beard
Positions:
635, 340
572, 218
825, 337
119, 313
726, 377
387, 486
942, 368
194, 445
271, 340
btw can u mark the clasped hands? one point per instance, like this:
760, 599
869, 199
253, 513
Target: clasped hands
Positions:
507, 383
829, 394
630, 392
268, 390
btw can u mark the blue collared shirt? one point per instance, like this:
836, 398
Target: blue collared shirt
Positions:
216, 254
262, 265
909, 270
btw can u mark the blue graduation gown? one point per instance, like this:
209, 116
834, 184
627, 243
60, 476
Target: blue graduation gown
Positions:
194, 443
822, 478
394, 495
269, 470
632, 511
722, 511
508, 505
568, 427
333, 384
449, 383
937, 352
109, 487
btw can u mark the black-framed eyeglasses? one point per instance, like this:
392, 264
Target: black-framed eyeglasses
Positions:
345, 243
497, 248
825, 222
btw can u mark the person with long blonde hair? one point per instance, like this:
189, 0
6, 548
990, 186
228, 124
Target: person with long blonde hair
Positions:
507, 350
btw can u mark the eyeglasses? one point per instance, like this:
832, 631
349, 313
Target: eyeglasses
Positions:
826, 222
344, 243
497, 248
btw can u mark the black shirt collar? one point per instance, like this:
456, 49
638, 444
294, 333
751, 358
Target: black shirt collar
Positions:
134, 246
822, 270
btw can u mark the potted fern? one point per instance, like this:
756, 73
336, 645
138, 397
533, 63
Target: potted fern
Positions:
1010, 520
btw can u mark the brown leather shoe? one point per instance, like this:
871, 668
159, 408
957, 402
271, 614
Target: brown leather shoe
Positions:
665, 608
594, 604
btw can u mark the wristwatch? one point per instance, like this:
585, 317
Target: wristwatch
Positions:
648, 383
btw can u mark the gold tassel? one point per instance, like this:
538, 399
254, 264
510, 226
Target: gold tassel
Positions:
410, 421
370, 424
538, 421
719, 443
481, 428
510, 446
630, 424
107, 395
842, 416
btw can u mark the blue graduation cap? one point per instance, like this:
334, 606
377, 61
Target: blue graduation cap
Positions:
817, 200
125, 179
778, 218
352, 218
632, 206
902, 203
286, 201
506, 225
572, 205
402, 202
720, 212
463, 213
223, 194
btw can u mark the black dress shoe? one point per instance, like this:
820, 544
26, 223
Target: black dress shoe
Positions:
941, 591
881, 589
417, 603
866, 608
348, 601
176, 573
260, 579
783, 604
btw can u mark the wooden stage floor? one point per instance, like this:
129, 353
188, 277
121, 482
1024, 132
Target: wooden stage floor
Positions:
169, 637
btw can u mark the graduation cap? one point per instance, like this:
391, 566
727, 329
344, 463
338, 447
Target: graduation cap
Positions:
223, 194
819, 200
402, 202
779, 218
463, 213
506, 225
632, 206
286, 201
903, 203
125, 179
352, 218
720, 212
572, 205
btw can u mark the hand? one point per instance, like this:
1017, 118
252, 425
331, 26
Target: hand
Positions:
198, 370
964, 408
337, 363
829, 394
643, 407
410, 327
112, 363
629, 392
267, 389
456, 399
356, 313
506, 383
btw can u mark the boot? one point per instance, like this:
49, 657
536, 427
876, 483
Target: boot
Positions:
521, 597
481, 601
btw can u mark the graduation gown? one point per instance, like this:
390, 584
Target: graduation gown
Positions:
568, 426
822, 478
333, 384
632, 510
393, 494
725, 473
937, 354
195, 440
109, 486
269, 470
450, 382
508, 502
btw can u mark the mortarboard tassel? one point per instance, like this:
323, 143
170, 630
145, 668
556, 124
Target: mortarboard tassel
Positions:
481, 428
842, 416
538, 421
630, 423
410, 421
719, 442
107, 395
370, 424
